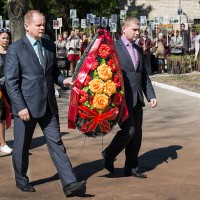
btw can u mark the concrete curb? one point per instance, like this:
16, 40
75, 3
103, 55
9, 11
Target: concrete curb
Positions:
175, 89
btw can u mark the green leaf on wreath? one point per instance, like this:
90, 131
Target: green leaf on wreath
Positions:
86, 89
87, 104
100, 111
92, 107
103, 61
122, 92
95, 74
113, 105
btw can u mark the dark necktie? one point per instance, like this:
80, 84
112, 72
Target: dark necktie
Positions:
41, 57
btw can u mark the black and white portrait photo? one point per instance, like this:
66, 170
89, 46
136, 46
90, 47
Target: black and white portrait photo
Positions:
143, 21
55, 24
75, 22
104, 21
7, 24
72, 13
60, 21
83, 23
90, 17
122, 14
114, 18
97, 21
113, 28
1, 22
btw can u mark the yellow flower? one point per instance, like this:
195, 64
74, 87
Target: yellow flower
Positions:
104, 72
100, 101
96, 85
109, 87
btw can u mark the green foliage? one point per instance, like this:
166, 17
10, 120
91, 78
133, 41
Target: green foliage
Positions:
133, 13
181, 64
3, 11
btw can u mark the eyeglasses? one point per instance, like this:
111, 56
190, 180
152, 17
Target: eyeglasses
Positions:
4, 30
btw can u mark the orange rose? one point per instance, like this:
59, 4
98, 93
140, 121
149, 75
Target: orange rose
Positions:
96, 85
109, 87
100, 101
104, 72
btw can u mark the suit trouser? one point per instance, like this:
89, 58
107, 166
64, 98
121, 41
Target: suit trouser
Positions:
23, 132
128, 138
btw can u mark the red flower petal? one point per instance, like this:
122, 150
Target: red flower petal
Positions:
117, 99
84, 97
111, 64
104, 51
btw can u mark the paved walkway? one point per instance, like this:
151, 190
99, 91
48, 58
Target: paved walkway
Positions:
169, 156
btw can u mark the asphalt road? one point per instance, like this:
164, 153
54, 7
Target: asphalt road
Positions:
169, 156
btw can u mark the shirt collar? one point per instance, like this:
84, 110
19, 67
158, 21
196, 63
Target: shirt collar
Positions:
31, 39
125, 40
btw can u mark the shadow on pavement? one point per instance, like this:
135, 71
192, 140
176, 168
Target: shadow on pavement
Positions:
56, 177
151, 159
46, 180
85, 170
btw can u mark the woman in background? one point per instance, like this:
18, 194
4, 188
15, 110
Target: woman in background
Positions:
4, 42
84, 43
73, 47
61, 54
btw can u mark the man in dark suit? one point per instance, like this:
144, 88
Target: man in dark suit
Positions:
136, 82
185, 34
31, 71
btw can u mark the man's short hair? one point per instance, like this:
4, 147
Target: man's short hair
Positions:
29, 15
182, 24
127, 20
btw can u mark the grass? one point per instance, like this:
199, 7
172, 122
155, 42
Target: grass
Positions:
189, 82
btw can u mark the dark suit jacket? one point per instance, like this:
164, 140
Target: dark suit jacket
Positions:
186, 40
136, 82
28, 84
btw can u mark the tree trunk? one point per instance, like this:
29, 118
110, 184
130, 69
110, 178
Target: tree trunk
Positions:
16, 11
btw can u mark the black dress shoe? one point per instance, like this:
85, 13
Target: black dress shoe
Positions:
136, 174
74, 188
108, 163
27, 188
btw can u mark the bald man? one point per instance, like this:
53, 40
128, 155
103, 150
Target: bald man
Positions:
31, 71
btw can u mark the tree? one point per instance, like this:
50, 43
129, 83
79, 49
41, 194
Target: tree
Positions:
16, 10
52, 9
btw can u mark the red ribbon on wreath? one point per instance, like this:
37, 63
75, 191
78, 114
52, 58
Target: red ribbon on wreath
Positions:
97, 119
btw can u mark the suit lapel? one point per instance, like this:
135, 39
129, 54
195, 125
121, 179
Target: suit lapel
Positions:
46, 52
30, 49
139, 57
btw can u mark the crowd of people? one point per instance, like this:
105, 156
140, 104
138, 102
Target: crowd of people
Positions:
32, 66
70, 48
156, 46
159, 46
